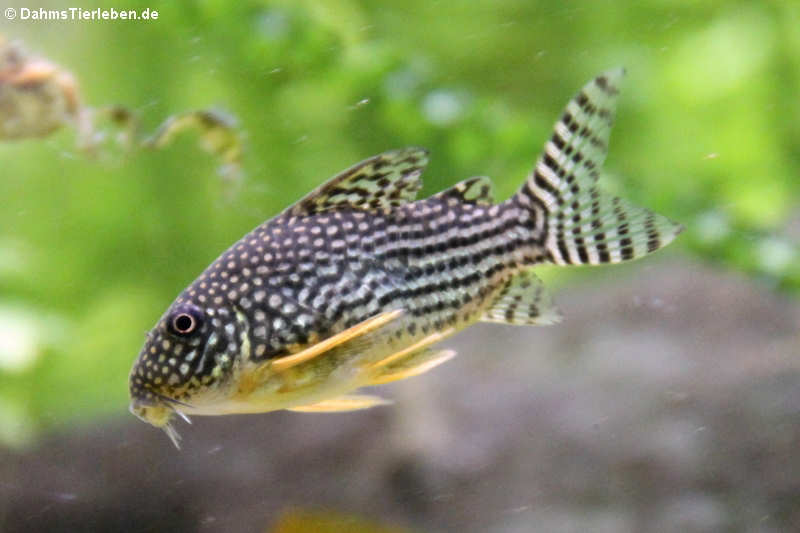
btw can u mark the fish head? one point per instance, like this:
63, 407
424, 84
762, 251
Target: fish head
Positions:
188, 358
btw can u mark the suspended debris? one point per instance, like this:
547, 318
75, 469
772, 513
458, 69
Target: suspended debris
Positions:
219, 136
38, 97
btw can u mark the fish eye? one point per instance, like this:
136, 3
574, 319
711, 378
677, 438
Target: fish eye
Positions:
184, 321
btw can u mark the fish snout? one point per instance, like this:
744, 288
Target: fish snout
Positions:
155, 414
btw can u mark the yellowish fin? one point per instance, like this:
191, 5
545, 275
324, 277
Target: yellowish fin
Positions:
416, 364
347, 402
411, 361
424, 343
359, 330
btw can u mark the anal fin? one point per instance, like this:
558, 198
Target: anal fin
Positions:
347, 402
523, 301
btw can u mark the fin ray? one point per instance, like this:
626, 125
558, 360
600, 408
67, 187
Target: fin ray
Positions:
584, 225
383, 181
414, 365
359, 330
523, 301
475, 190
417, 346
250, 380
346, 402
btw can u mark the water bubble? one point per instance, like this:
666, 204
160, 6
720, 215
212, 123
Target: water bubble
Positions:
400, 84
712, 227
775, 255
273, 24
442, 107
20, 341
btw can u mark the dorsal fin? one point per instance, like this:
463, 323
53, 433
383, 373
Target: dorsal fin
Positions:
475, 190
383, 181
523, 301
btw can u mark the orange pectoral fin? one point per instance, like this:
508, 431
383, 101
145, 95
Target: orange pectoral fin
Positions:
359, 330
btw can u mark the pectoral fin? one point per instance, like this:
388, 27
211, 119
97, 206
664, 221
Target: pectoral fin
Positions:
359, 330
347, 402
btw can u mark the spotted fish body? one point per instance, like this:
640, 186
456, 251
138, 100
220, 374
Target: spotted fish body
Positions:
355, 283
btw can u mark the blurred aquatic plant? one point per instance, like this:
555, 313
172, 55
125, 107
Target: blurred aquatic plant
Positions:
38, 98
219, 136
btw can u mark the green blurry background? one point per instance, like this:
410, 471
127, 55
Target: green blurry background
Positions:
666, 401
93, 249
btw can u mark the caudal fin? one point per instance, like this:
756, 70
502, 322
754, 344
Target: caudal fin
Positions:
581, 224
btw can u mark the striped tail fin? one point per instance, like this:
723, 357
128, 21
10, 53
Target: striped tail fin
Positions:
582, 225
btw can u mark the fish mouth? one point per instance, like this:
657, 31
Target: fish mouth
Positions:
160, 414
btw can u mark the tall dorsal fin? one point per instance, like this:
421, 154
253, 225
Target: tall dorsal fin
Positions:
475, 190
383, 181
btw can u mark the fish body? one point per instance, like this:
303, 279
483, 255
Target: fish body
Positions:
354, 284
